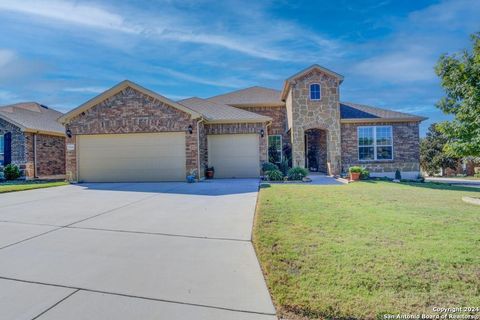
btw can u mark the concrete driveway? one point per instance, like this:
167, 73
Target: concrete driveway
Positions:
132, 251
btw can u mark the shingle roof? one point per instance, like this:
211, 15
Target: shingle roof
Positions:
355, 111
217, 112
32, 116
258, 96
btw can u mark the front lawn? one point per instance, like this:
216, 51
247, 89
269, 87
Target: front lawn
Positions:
364, 249
28, 185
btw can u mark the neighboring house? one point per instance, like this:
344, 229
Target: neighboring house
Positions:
32, 139
129, 133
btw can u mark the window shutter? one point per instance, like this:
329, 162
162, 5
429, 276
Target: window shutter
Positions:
7, 148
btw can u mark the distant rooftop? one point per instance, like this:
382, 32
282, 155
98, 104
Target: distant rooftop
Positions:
32, 116
214, 111
253, 96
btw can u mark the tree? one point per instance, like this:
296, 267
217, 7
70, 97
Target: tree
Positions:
432, 154
460, 78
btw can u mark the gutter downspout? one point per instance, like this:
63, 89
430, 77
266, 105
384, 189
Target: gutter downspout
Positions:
35, 155
198, 146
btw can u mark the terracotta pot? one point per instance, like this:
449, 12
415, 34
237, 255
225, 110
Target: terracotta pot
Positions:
209, 174
354, 176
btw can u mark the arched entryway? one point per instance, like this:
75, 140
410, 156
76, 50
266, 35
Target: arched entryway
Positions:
316, 150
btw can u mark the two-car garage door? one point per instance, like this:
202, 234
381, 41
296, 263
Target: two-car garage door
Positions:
132, 157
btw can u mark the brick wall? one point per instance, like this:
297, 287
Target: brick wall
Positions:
18, 142
406, 148
279, 120
131, 111
50, 153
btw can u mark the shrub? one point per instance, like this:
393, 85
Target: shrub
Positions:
297, 173
355, 169
268, 166
284, 166
477, 175
365, 174
398, 175
274, 175
11, 172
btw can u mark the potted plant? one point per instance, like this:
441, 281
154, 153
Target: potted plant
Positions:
191, 176
355, 173
209, 172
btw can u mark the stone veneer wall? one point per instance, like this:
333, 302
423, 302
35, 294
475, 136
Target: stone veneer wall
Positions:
131, 111
279, 124
322, 114
50, 151
18, 142
406, 148
233, 128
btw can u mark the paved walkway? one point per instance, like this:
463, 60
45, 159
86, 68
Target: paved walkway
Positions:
132, 251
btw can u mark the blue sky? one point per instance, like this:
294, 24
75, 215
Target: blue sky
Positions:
61, 53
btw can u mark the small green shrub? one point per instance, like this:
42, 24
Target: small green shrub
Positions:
11, 172
398, 175
284, 166
355, 169
477, 175
274, 175
268, 166
297, 173
365, 174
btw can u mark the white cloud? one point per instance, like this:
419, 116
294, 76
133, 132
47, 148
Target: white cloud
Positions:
259, 35
70, 12
7, 97
397, 67
6, 56
85, 89
226, 83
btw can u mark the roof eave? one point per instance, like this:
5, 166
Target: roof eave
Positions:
377, 120
22, 127
229, 121
259, 104
45, 132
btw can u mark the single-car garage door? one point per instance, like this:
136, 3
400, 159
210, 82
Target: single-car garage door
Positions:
234, 155
132, 157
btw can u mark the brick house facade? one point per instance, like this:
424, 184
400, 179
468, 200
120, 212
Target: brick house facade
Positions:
317, 130
33, 140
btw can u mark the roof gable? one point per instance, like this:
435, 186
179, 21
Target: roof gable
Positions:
117, 89
305, 71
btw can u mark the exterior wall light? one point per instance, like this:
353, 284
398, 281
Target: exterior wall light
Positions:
190, 129
68, 133
262, 133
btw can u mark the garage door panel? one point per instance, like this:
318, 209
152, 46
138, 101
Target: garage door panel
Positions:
132, 157
234, 155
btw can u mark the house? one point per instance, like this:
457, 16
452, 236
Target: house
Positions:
32, 139
129, 133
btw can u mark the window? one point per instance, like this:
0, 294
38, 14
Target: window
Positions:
375, 143
1, 149
275, 148
315, 91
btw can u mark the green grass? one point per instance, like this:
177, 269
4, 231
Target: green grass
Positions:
28, 185
364, 249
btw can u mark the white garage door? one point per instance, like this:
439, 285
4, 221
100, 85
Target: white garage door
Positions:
132, 157
234, 155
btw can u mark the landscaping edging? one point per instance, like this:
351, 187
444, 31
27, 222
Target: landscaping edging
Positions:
471, 200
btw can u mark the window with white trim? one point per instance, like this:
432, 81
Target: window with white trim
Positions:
2, 148
275, 148
375, 143
315, 91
